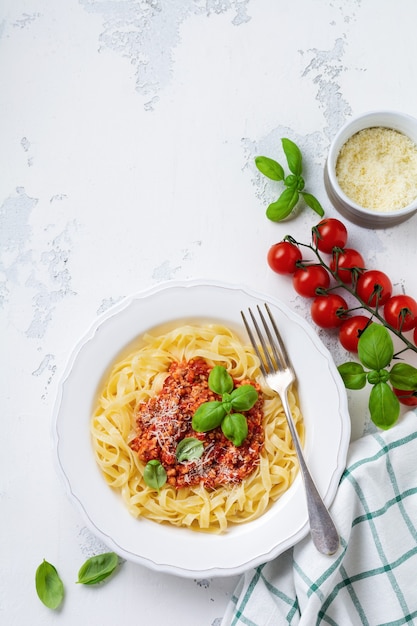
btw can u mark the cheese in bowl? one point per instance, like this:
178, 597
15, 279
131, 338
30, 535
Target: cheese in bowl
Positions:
371, 171
377, 168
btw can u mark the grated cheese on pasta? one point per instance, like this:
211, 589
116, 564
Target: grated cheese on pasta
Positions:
377, 169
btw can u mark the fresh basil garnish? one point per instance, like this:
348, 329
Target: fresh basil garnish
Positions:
235, 428
220, 381
154, 474
216, 413
244, 397
188, 449
209, 415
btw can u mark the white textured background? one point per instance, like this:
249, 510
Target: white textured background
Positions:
128, 131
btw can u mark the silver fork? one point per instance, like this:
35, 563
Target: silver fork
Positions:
279, 374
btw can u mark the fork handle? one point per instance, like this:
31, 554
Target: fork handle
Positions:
322, 528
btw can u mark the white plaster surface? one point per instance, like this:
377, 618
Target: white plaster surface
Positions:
128, 131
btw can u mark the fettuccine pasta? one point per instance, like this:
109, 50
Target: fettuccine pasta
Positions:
137, 378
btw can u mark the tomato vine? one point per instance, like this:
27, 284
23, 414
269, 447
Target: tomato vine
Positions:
369, 336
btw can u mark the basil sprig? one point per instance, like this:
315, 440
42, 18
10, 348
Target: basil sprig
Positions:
376, 351
210, 415
294, 182
49, 586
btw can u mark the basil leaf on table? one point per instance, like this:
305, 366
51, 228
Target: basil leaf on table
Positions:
313, 203
353, 375
270, 168
293, 154
384, 406
49, 586
281, 208
403, 376
375, 347
98, 568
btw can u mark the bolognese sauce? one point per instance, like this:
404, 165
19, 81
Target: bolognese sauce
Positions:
164, 420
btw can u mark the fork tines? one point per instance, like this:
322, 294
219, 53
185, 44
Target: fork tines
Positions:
274, 356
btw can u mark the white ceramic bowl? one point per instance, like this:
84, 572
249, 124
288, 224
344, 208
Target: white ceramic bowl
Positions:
346, 206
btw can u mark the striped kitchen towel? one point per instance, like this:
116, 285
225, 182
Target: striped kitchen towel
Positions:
372, 579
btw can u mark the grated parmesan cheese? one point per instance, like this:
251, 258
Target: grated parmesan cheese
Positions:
377, 168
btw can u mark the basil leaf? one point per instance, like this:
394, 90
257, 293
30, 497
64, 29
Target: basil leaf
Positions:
189, 448
313, 203
97, 568
49, 586
270, 168
375, 347
403, 376
281, 208
154, 474
235, 428
353, 375
219, 380
384, 406
293, 154
244, 397
208, 416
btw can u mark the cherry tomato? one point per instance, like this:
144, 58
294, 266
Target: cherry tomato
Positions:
325, 309
401, 312
345, 261
283, 256
406, 397
307, 279
350, 331
374, 286
328, 234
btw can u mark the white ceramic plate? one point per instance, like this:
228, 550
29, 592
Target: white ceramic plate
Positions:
178, 550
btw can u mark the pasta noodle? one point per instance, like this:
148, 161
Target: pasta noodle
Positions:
140, 376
